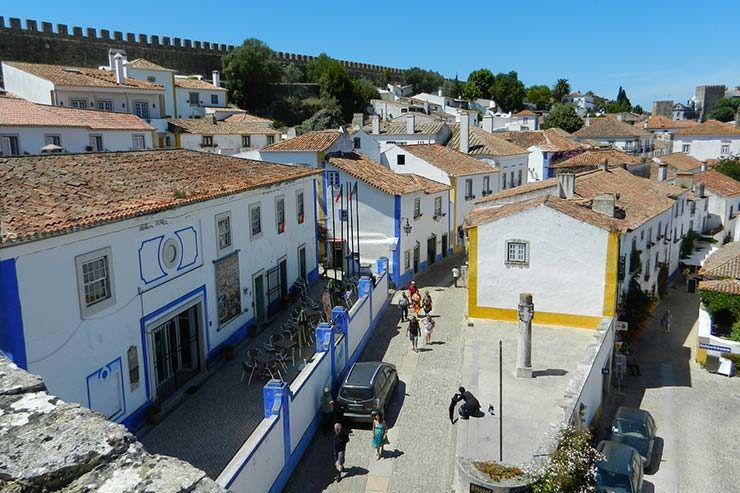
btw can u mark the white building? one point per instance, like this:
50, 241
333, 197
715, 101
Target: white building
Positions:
193, 95
307, 149
610, 130
403, 217
708, 140
144, 70
133, 271
724, 201
31, 128
582, 102
400, 91
374, 139
522, 121
510, 159
467, 177
222, 137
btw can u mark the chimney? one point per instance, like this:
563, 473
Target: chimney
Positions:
566, 185
410, 124
703, 166
357, 119
112, 52
620, 117
684, 179
216, 78
439, 92
604, 166
604, 203
662, 171
213, 119
118, 68
376, 124
385, 111
588, 121
700, 189
488, 123
464, 133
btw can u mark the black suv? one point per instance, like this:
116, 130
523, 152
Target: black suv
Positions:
368, 387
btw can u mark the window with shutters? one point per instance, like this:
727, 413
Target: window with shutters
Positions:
517, 252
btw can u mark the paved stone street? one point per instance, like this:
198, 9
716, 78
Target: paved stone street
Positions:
421, 454
696, 412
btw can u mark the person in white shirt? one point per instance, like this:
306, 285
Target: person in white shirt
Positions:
455, 274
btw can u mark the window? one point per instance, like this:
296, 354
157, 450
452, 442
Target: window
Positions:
280, 214
207, 141
469, 189
53, 139
706, 205
96, 142
650, 234
511, 179
519, 178
486, 185
503, 184
95, 281
401, 159
141, 109
685, 147
79, 103
660, 228
516, 252
417, 208
357, 143
214, 98
246, 141
657, 258
270, 139
223, 231
105, 105
332, 178
725, 148
437, 206
9, 145
255, 220
406, 260
299, 206
139, 142
194, 99
730, 216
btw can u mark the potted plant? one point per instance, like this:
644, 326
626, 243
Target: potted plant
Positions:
154, 413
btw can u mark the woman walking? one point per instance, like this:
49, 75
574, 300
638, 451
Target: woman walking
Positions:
416, 303
426, 303
413, 331
380, 434
428, 329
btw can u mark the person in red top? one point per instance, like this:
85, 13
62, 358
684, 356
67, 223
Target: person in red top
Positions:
412, 288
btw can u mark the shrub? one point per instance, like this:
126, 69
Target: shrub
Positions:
687, 243
572, 466
498, 472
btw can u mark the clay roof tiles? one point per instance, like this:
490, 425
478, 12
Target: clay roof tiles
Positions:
247, 118
723, 263
315, 141
729, 286
594, 157
482, 143
205, 126
710, 127
719, 183
144, 64
657, 122
79, 76
449, 160
54, 194
196, 84
681, 161
609, 127
398, 127
551, 140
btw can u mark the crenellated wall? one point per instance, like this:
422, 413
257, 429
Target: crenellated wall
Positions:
43, 42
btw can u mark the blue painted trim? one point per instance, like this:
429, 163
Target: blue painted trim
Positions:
182, 248
324, 207
396, 261
159, 259
438, 258
12, 338
314, 274
96, 373
295, 457
316, 225
136, 419
423, 266
404, 280
333, 363
285, 408
268, 432
237, 336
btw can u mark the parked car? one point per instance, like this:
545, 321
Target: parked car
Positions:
636, 428
368, 387
620, 471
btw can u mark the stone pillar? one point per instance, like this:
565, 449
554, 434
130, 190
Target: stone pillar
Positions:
524, 348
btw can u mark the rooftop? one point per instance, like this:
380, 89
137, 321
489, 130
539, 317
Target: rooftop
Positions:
245, 117
315, 141
723, 263
681, 161
187, 83
609, 127
449, 160
21, 113
482, 143
398, 127
710, 127
144, 64
520, 190
206, 126
383, 178
657, 122
729, 286
551, 140
55, 194
80, 76
718, 183
525, 113
594, 157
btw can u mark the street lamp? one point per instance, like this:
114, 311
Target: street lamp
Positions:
407, 227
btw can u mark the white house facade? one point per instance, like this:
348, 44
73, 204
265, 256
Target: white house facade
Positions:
307, 149
708, 140
374, 139
193, 95
221, 137
612, 131
724, 201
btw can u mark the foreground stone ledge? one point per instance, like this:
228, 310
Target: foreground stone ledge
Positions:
469, 478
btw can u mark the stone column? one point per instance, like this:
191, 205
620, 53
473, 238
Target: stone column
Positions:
524, 348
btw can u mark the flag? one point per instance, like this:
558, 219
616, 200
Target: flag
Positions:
352, 190
339, 195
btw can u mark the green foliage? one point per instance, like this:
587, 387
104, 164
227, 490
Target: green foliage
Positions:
560, 90
539, 95
716, 302
636, 306
563, 116
498, 472
735, 358
508, 91
423, 80
725, 109
735, 333
480, 84
638, 109
572, 466
622, 98
329, 116
249, 71
293, 74
352, 95
687, 244
291, 110
452, 88
729, 167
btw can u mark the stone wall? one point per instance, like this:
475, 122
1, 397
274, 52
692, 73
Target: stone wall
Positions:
50, 445
43, 42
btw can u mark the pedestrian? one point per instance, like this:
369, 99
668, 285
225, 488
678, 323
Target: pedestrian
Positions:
632, 365
666, 321
470, 405
403, 305
327, 410
380, 434
413, 332
455, 274
428, 329
412, 288
416, 303
340, 446
427, 303
348, 297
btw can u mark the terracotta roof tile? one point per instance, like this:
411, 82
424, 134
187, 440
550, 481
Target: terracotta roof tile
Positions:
22, 113
398, 127
186, 83
681, 161
520, 190
657, 122
382, 177
449, 160
144, 64
730, 286
53, 194
551, 140
315, 141
80, 76
723, 263
710, 127
593, 157
609, 127
482, 143
719, 183
205, 126
247, 118
525, 113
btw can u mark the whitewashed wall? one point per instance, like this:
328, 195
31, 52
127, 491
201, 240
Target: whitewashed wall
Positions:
122, 100
26, 85
706, 147
182, 98
166, 79
224, 144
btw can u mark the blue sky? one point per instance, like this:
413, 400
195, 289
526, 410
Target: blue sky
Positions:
656, 49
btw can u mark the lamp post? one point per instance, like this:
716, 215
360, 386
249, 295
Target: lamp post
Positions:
407, 227
524, 348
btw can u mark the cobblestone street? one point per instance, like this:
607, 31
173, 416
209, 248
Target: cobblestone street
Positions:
421, 454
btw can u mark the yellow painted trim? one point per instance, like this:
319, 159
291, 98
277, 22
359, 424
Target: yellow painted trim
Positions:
177, 140
610, 274
174, 97
453, 199
472, 270
701, 355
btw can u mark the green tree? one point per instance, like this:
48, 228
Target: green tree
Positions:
329, 116
451, 88
351, 95
725, 109
539, 95
480, 83
423, 80
318, 66
563, 116
622, 100
293, 74
249, 71
729, 167
638, 109
508, 91
560, 90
